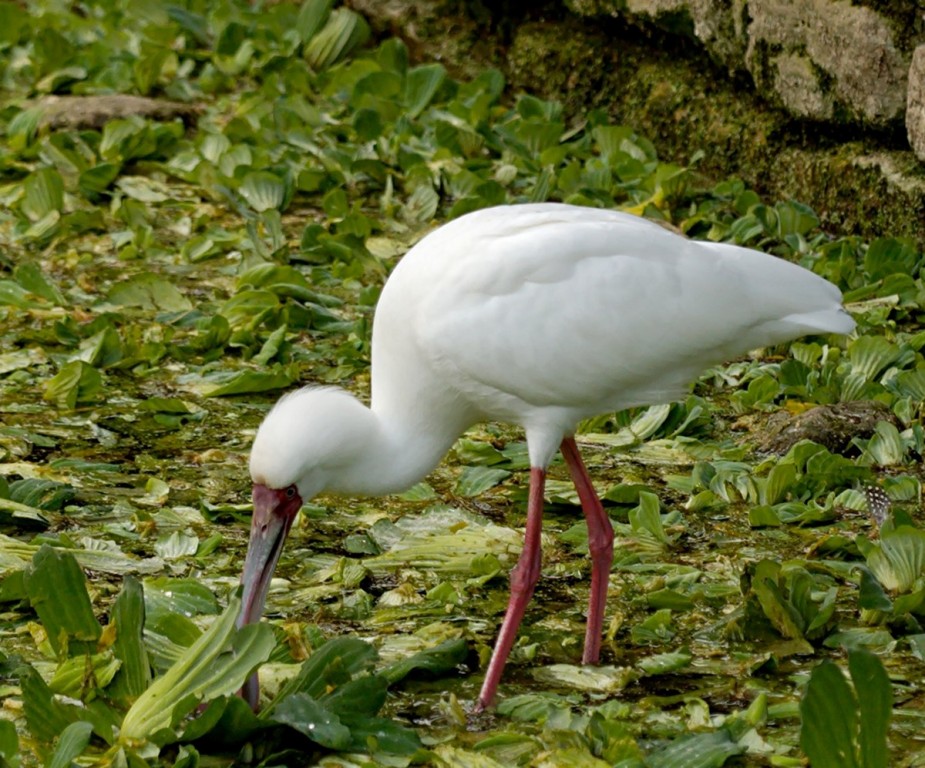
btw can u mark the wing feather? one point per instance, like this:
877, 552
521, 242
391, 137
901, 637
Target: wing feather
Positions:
557, 306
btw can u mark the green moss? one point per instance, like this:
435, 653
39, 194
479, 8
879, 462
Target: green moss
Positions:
687, 103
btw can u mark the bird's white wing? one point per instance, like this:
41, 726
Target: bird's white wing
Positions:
556, 306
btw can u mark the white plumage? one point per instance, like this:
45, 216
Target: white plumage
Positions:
539, 315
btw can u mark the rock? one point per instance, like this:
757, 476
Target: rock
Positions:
851, 46
833, 426
825, 60
96, 111
915, 106
798, 87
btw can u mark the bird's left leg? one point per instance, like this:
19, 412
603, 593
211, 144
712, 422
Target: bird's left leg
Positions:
523, 580
600, 546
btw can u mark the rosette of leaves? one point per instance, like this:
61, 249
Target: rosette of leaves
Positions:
893, 580
120, 693
785, 601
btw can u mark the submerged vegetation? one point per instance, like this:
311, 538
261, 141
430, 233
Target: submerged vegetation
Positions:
161, 283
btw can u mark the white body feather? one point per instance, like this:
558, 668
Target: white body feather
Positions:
539, 315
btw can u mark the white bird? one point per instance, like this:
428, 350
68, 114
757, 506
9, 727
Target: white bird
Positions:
541, 316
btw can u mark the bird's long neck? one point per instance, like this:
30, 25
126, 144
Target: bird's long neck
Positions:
399, 447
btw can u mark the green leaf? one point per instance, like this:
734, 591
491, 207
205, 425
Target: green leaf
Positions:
45, 715
40, 493
229, 718
476, 480
646, 517
421, 85
128, 616
14, 295
265, 191
875, 706
344, 31
332, 664
44, 194
434, 661
248, 309
697, 750
30, 276
102, 349
794, 218
217, 664
885, 447
76, 382
312, 16
421, 205
22, 129
887, 255
766, 586
82, 673
898, 561
869, 355
781, 480
830, 719
9, 745
176, 545
312, 719
358, 698
57, 590
377, 734
188, 597
91, 559
665, 663
149, 292
245, 382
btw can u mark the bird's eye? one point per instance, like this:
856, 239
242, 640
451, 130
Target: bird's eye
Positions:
290, 492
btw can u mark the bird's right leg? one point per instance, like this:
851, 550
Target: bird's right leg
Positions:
523, 580
600, 547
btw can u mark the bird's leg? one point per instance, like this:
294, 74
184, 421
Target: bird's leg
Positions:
523, 580
600, 545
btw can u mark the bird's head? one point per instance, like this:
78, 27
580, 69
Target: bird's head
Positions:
298, 452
